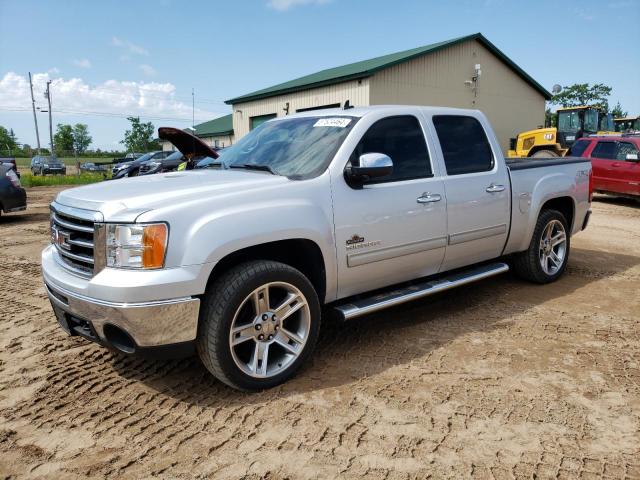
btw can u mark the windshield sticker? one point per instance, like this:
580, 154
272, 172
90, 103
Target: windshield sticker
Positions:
332, 122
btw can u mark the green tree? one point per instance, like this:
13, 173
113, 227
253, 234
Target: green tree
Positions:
140, 137
7, 139
580, 94
617, 111
550, 118
63, 138
81, 138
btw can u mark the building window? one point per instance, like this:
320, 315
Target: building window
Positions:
322, 107
260, 119
216, 143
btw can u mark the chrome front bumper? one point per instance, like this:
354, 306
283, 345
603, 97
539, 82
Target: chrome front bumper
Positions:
149, 324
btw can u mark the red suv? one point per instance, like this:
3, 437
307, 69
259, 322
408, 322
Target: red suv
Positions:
615, 161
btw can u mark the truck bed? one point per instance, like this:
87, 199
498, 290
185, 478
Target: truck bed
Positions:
523, 163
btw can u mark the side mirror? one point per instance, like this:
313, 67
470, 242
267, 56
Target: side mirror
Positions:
632, 157
371, 165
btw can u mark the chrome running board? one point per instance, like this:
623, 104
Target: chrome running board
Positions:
396, 296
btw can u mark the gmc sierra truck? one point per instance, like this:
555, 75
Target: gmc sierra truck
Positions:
345, 210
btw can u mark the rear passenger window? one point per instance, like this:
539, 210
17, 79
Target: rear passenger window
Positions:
464, 144
626, 148
578, 148
400, 138
606, 150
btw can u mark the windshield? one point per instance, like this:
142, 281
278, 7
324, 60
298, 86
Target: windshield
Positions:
174, 156
606, 122
295, 147
144, 157
569, 121
591, 120
209, 162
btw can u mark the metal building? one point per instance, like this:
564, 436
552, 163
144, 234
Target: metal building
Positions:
465, 72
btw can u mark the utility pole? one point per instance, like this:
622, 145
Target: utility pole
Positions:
35, 119
48, 95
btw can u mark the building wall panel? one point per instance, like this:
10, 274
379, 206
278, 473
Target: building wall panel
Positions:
510, 103
356, 91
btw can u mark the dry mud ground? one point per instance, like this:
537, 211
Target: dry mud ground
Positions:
502, 379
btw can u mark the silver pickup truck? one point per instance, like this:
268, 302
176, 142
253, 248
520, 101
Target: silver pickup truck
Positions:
349, 211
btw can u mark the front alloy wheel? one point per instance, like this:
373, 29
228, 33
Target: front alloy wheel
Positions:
270, 329
259, 322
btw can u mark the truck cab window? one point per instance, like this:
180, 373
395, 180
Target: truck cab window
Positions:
464, 144
400, 138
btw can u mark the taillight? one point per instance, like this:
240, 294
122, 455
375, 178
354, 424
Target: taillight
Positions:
590, 185
13, 178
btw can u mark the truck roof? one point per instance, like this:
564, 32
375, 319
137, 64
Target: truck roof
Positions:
362, 111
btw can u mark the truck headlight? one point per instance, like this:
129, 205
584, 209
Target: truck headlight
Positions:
137, 246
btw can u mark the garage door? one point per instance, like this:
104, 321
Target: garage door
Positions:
259, 120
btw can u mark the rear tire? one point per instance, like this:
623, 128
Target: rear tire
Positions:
259, 322
546, 258
544, 153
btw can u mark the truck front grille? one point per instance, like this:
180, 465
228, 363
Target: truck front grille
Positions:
73, 238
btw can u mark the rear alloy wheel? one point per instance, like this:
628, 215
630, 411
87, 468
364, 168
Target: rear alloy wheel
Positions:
259, 322
546, 258
553, 247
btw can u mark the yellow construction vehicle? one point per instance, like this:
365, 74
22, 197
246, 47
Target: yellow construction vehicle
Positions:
573, 123
627, 124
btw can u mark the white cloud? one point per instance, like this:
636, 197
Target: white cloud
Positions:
128, 46
148, 70
81, 62
54, 71
283, 5
116, 98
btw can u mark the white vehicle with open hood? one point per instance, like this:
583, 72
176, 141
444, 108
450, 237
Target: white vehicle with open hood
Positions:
354, 210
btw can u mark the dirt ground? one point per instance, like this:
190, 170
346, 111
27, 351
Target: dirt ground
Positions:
501, 379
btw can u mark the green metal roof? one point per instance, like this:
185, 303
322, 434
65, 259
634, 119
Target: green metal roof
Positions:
366, 68
215, 127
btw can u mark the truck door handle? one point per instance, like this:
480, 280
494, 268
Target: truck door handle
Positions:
429, 198
493, 188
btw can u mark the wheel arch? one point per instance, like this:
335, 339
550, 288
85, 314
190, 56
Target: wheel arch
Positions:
300, 253
564, 205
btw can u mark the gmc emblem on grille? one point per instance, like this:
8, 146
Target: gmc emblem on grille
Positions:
61, 239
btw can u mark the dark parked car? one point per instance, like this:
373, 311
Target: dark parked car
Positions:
92, 167
167, 164
131, 169
42, 165
13, 198
11, 163
193, 149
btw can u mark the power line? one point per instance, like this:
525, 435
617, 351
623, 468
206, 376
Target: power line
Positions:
105, 114
142, 93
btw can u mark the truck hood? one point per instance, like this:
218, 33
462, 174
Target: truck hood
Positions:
126, 199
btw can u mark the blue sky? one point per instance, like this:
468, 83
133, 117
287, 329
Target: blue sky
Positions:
110, 59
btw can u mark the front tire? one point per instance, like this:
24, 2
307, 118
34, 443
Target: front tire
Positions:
544, 153
546, 258
259, 322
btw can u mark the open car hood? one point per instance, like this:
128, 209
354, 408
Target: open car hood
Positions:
188, 145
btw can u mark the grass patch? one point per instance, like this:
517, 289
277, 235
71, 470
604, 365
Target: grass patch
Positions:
28, 180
